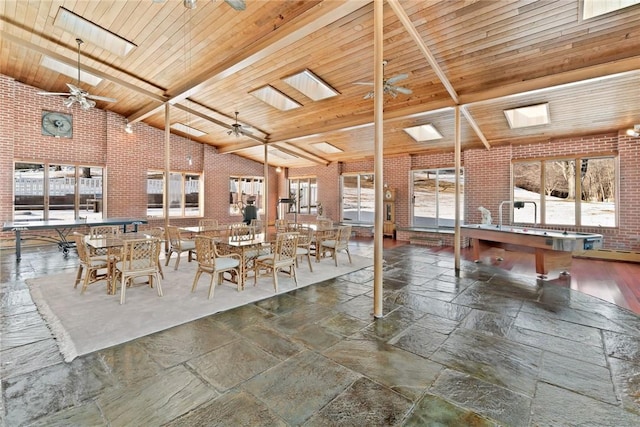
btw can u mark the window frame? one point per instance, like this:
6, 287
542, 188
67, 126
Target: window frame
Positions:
437, 221
359, 210
311, 190
183, 209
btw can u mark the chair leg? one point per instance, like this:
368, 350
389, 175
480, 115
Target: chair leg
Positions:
195, 281
275, 279
177, 261
160, 269
295, 275
168, 258
85, 284
78, 276
213, 283
123, 288
309, 260
335, 256
159, 285
349, 255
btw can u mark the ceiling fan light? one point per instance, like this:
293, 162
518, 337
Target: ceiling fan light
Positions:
69, 101
189, 4
128, 128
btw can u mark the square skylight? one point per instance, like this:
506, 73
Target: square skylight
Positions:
187, 129
532, 115
71, 71
281, 154
275, 98
423, 133
93, 33
593, 8
325, 147
310, 85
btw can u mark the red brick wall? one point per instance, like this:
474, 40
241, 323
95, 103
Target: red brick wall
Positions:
99, 139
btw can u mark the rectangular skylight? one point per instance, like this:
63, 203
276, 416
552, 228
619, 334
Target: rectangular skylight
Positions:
593, 8
423, 132
281, 154
310, 85
187, 129
71, 71
275, 98
325, 147
532, 115
93, 33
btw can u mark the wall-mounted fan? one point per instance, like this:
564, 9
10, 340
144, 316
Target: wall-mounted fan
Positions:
238, 130
76, 94
191, 4
388, 85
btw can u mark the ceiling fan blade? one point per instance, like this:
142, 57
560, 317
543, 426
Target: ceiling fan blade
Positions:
237, 4
397, 78
54, 93
364, 83
101, 98
404, 90
75, 89
369, 95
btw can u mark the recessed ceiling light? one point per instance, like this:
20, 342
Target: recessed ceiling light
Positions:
310, 85
532, 115
325, 147
187, 129
423, 132
275, 98
70, 71
90, 32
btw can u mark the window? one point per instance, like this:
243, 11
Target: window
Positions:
305, 192
183, 195
44, 191
358, 200
434, 197
572, 191
243, 189
593, 8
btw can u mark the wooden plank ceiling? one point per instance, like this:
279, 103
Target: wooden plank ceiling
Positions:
493, 55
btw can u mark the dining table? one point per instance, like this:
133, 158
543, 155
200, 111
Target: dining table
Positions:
113, 244
249, 247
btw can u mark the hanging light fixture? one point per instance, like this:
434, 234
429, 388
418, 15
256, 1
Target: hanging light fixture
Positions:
128, 128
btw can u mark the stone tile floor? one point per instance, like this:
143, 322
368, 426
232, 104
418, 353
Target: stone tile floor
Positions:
482, 348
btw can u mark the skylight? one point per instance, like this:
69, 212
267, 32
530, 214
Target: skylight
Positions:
325, 147
275, 98
70, 71
310, 85
93, 33
593, 8
281, 154
423, 133
523, 117
187, 129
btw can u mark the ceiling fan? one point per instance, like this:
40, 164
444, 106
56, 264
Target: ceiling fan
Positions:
191, 4
238, 130
76, 94
388, 85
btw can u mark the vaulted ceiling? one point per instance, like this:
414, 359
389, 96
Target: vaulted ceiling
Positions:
485, 56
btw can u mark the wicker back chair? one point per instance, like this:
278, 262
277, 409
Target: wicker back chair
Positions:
282, 257
211, 262
339, 243
89, 263
177, 245
139, 258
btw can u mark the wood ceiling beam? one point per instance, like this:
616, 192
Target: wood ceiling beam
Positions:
298, 152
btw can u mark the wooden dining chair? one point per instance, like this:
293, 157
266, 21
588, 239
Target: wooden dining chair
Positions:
91, 265
98, 231
178, 244
209, 227
282, 257
139, 258
211, 262
157, 233
339, 243
305, 241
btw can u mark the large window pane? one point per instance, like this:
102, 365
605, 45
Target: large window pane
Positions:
192, 195
155, 190
56, 192
598, 188
560, 192
434, 197
358, 201
526, 189
304, 191
28, 191
561, 187
243, 189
